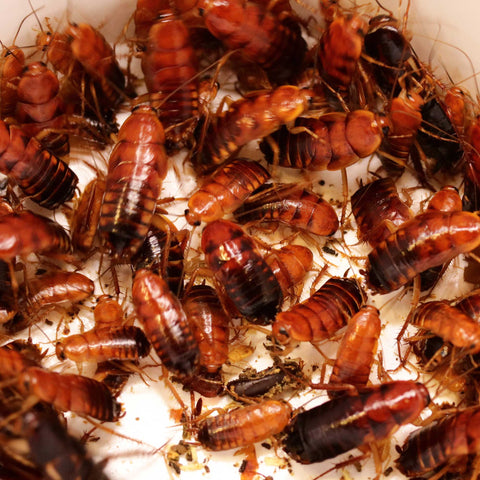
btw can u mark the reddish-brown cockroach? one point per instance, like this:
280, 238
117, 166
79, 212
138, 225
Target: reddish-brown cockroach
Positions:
290, 265
68, 392
378, 210
321, 315
108, 313
165, 323
12, 61
330, 142
348, 422
340, 50
137, 166
447, 440
241, 271
25, 232
291, 205
40, 110
14, 362
449, 323
244, 425
210, 324
357, 349
259, 35
103, 344
447, 199
41, 176
427, 240
171, 70
265, 111
455, 103
162, 252
225, 190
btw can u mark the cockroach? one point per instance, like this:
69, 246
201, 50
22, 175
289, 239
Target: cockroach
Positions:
330, 142
447, 440
103, 344
40, 108
449, 323
162, 252
447, 199
137, 166
427, 240
54, 450
321, 315
351, 421
12, 62
170, 68
25, 232
290, 265
210, 324
69, 392
108, 313
340, 50
165, 323
259, 35
42, 176
241, 270
280, 377
378, 210
291, 205
357, 349
265, 111
245, 425
14, 362
225, 190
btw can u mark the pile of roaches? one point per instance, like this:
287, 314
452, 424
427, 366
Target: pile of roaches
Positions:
310, 99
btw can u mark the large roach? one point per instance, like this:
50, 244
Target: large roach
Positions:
265, 111
348, 422
137, 166
241, 271
330, 142
321, 315
291, 205
43, 177
427, 240
165, 323
225, 190
245, 425
12, 62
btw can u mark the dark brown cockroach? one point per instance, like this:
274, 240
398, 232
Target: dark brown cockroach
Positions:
244, 425
12, 62
108, 313
40, 110
86, 215
25, 232
290, 265
427, 240
330, 142
340, 49
68, 392
282, 376
163, 252
321, 315
97, 57
165, 323
137, 166
103, 344
241, 271
170, 68
357, 349
449, 323
378, 210
258, 34
291, 205
210, 324
348, 422
446, 440
41, 176
54, 450
266, 112
225, 190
